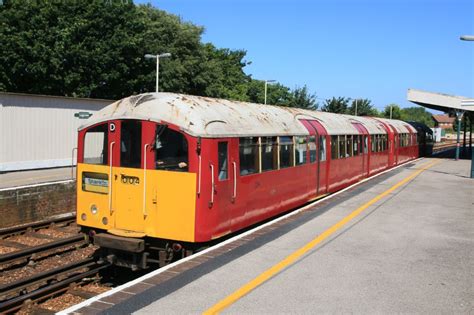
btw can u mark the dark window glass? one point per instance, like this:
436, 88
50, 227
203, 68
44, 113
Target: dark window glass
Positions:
322, 148
372, 143
131, 144
286, 152
356, 145
342, 146
301, 149
96, 145
312, 149
223, 161
366, 144
269, 153
171, 150
334, 148
349, 146
248, 154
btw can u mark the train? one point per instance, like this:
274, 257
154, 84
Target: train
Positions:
161, 175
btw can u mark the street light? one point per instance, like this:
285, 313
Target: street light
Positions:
266, 83
157, 57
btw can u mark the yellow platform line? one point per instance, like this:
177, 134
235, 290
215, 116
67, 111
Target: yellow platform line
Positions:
290, 259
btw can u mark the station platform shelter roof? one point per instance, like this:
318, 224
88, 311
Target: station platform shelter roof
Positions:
442, 102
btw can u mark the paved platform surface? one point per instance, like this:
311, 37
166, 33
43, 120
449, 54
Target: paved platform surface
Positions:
410, 251
24, 178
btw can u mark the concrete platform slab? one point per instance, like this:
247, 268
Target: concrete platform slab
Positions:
32, 177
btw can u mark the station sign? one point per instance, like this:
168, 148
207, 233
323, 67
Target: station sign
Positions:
82, 115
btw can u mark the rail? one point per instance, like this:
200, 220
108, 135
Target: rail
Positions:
21, 229
67, 274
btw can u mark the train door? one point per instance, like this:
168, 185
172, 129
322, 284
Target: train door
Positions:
392, 146
362, 147
315, 128
128, 176
224, 169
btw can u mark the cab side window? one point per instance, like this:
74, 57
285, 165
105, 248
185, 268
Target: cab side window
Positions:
96, 145
171, 150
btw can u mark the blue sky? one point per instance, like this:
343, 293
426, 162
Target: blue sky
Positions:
374, 49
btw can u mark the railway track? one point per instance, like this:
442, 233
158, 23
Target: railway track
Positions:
35, 226
43, 260
45, 285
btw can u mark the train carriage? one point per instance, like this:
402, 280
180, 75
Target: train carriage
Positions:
162, 174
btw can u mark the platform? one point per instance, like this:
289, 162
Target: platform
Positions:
32, 177
402, 242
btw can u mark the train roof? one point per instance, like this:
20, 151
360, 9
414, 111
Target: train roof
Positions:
213, 118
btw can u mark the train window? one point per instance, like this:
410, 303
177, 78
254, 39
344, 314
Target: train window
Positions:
342, 146
372, 143
96, 145
349, 142
312, 149
334, 148
322, 148
383, 139
286, 152
366, 145
130, 144
223, 160
249, 155
171, 150
269, 153
355, 146
301, 149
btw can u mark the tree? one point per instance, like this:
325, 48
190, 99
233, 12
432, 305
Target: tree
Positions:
302, 98
337, 105
396, 112
96, 49
364, 108
418, 114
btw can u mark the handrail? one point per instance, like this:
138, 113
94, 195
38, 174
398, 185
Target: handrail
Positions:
234, 195
199, 176
110, 176
72, 162
144, 180
212, 185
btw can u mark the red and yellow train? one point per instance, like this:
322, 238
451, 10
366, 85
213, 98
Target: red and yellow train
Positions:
162, 174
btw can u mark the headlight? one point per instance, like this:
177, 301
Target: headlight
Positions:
83, 217
94, 209
105, 221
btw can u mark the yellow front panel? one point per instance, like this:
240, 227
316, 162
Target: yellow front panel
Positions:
88, 195
170, 202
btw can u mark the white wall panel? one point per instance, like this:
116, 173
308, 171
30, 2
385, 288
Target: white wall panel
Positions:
40, 131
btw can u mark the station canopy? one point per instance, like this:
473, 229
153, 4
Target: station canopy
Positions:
441, 102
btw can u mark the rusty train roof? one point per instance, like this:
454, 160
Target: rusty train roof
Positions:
213, 118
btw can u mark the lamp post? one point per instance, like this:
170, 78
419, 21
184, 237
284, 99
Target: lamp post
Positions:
157, 57
266, 83
468, 38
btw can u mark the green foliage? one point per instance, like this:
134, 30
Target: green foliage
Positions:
396, 112
96, 49
364, 108
300, 97
418, 114
337, 105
